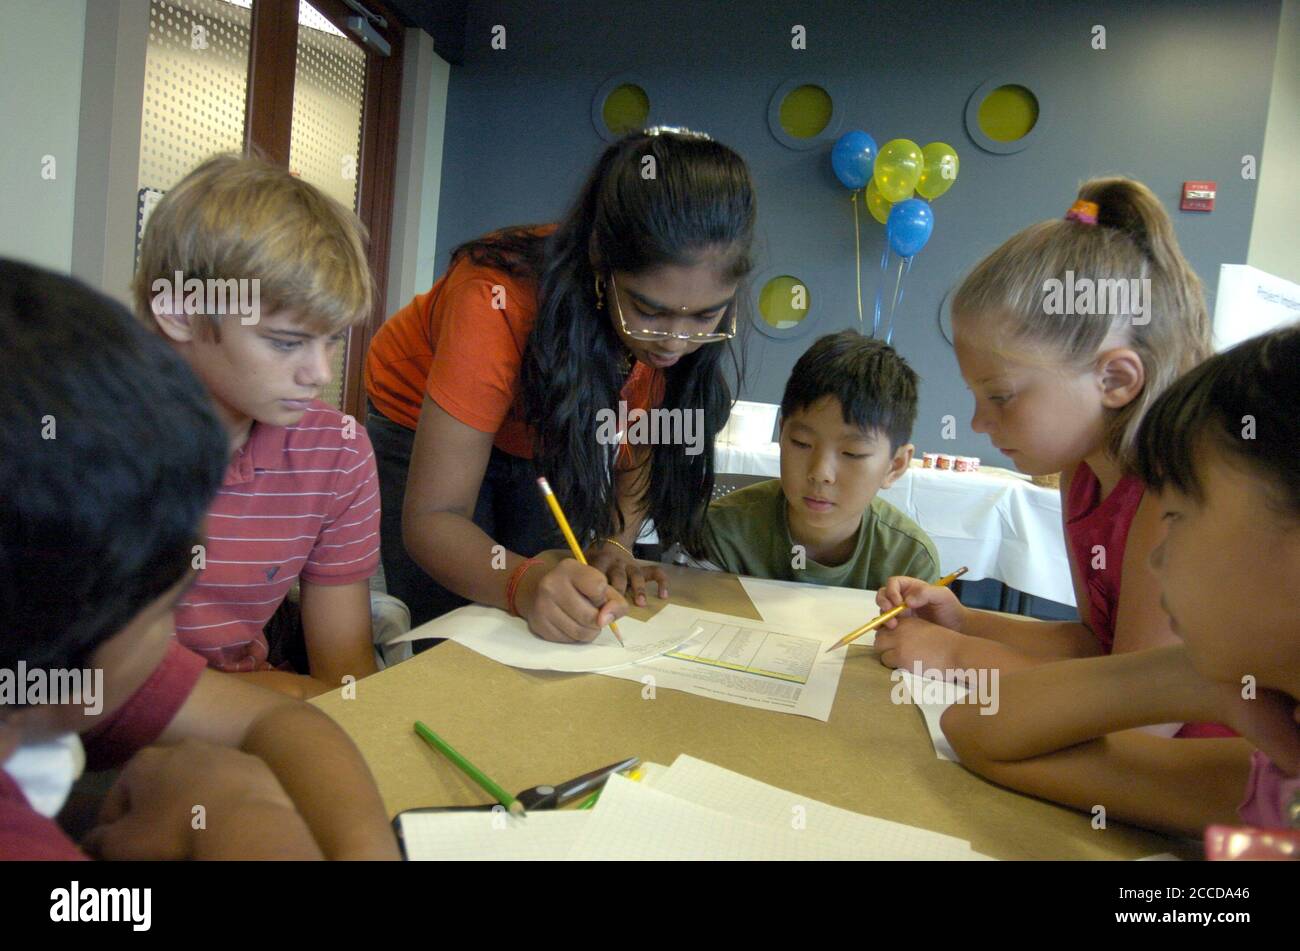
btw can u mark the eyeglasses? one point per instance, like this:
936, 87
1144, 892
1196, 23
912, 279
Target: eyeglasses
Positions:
715, 337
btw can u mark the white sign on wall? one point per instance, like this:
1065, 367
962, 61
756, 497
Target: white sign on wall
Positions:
1250, 302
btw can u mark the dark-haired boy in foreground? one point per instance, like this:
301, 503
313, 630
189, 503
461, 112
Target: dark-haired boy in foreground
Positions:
110, 454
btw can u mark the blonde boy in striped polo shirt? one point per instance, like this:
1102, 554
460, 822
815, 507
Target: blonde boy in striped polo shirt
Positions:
254, 277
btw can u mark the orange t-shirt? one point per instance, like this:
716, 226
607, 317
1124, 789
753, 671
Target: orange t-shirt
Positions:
452, 344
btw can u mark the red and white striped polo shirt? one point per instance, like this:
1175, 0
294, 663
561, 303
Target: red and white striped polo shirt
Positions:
297, 501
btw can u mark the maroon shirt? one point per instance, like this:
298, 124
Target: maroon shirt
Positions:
1091, 520
24, 832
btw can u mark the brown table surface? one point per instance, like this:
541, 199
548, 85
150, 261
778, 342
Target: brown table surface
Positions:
526, 728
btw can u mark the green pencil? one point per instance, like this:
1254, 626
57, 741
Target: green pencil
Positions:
513, 805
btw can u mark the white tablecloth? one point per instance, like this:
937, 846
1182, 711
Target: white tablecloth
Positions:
996, 522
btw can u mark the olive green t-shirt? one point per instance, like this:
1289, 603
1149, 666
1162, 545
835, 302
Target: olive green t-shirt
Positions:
746, 533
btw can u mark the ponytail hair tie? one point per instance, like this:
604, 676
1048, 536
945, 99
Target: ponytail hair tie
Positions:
1083, 211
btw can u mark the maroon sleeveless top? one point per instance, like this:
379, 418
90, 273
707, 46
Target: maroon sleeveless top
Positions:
1091, 521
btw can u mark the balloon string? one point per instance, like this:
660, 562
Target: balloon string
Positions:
898, 296
857, 257
880, 290
893, 306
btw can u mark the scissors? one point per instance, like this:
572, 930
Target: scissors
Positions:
552, 797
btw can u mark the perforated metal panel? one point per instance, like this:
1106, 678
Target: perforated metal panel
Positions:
325, 138
195, 86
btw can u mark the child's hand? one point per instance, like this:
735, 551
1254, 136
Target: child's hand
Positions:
166, 798
930, 602
625, 572
570, 604
917, 641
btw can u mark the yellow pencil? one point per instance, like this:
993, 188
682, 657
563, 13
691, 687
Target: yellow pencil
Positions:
563, 522
874, 623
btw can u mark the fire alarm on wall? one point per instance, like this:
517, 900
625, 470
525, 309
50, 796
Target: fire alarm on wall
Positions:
1198, 196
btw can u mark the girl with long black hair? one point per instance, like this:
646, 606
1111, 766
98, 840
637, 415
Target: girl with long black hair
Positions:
514, 363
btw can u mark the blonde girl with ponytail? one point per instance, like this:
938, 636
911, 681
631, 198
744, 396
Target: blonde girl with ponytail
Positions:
1065, 335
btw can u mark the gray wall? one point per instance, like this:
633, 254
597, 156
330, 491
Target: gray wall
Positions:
40, 95
1180, 93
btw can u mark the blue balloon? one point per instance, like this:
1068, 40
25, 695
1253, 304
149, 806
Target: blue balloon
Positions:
909, 225
853, 159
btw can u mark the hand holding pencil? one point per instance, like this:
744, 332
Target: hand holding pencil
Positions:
570, 603
589, 598
901, 603
935, 603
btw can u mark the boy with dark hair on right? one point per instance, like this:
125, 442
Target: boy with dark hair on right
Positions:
846, 422
110, 454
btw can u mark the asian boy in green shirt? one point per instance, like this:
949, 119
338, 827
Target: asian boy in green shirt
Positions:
846, 418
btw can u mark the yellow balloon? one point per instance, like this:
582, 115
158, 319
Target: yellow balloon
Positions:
878, 207
898, 169
941, 166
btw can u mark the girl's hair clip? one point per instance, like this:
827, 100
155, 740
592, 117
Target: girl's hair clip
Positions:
1083, 211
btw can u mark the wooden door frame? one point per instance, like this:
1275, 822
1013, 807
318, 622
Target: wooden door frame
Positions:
272, 60
273, 50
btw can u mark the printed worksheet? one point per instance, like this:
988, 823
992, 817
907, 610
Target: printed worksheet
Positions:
740, 660
751, 651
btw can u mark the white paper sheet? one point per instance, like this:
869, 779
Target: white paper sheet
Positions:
866, 837
932, 697
634, 821
507, 640
748, 662
490, 836
648, 774
813, 610
691, 810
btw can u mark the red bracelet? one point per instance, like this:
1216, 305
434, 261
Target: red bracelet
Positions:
512, 586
